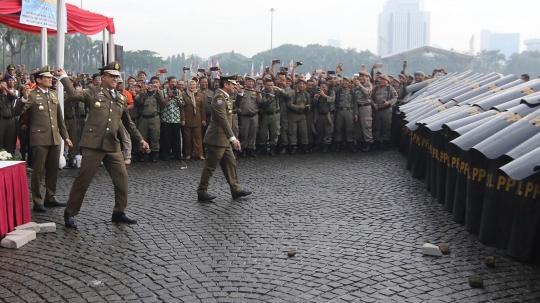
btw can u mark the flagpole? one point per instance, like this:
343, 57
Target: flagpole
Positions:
271, 30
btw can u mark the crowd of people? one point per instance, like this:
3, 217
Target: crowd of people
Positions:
281, 112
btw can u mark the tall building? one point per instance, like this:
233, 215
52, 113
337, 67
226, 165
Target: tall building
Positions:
507, 44
532, 44
334, 42
403, 25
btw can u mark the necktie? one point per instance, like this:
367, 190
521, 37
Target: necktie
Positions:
47, 95
113, 94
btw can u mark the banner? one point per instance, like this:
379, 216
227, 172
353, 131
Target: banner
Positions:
41, 13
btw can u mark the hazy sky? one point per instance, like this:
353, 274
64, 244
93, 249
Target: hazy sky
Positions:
173, 26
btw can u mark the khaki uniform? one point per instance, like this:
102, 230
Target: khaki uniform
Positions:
383, 116
235, 127
135, 115
363, 126
346, 109
8, 127
249, 120
193, 123
270, 121
296, 118
99, 143
309, 119
149, 125
219, 151
208, 97
283, 96
71, 118
47, 129
324, 113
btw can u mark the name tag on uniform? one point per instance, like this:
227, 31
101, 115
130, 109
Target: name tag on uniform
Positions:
101, 95
39, 98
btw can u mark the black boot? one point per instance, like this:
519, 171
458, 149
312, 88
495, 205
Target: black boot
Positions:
385, 145
337, 146
368, 147
272, 150
143, 157
311, 147
305, 148
376, 145
71, 163
261, 149
153, 157
283, 150
134, 157
242, 153
292, 150
325, 148
252, 153
351, 147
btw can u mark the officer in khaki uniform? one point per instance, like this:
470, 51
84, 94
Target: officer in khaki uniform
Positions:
270, 121
249, 119
47, 129
323, 107
346, 115
284, 93
296, 117
71, 118
218, 139
107, 108
362, 127
150, 123
383, 97
8, 126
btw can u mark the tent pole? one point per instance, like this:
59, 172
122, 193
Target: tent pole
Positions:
44, 46
111, 47
104, 48
60, 43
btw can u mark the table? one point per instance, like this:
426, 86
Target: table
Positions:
14, 196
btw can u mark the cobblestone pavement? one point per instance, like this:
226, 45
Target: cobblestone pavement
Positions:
357, 221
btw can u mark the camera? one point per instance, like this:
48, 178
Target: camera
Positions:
285, 68
175, 90
151, 87
186, 68
267, 69
214, 68
276, 61
241, 82
298, 63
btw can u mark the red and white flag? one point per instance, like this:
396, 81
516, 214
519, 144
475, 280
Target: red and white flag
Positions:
261, 69
252, 66
291, 66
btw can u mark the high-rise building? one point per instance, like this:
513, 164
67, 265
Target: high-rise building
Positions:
403, 25
532, 45
507, 44
334, 42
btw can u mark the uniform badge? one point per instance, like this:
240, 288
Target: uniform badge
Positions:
41, 107
116, 66
97, 104
219, 102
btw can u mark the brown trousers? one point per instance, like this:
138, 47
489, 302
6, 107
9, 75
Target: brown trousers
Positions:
225, 158
193, 141
114, 163
44, 157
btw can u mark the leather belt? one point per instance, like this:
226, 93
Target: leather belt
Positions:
249, 115
321, 114
383, 108
363, 104
135, 119
345, 108
149, 116
7, 117
82, 116
68, 118
270, 112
